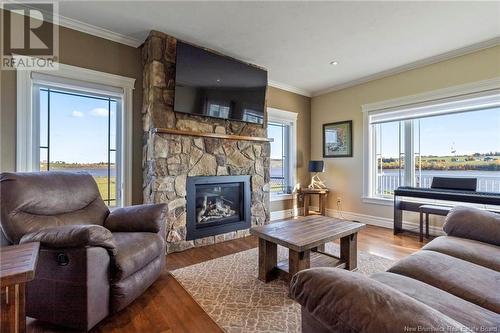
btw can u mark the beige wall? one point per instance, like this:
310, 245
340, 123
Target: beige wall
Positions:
82, 50
285, 100
345, 175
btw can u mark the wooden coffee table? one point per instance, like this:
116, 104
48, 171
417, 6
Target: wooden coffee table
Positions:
305, 238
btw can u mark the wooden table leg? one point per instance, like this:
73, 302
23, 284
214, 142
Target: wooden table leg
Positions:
319, 248
427, 225
268, 259
349, 251
322, 204
306, 204
421, 230
13, 316
22, 307
298, 261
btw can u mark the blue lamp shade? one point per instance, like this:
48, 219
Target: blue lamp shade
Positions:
316, 166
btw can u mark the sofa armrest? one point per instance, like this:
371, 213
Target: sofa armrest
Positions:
473, 223
344, 301
139, 218
71, 236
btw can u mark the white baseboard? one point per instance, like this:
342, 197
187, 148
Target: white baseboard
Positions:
378, 221
383, 222
281, 214
285, 214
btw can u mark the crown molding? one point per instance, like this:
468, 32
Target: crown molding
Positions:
287, 87
413, 65
98, 31
492, 85
88, 28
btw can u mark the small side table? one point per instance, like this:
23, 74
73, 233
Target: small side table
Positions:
306, 193
17, 267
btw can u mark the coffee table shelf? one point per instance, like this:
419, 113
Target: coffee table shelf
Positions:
305, 238
317, 259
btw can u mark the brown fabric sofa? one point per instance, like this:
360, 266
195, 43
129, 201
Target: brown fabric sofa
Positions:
92, 262
451, 285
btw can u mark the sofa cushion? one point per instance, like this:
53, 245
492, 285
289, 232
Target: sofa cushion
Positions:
479, 253
135, 250
347, 302
466, 313
474, 283
473, 223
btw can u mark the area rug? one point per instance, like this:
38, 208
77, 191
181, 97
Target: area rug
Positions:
228, 290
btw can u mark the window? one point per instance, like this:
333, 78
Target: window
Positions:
449, 137
389, 157
252, 116
78, 133
280, 158
282, 129
215, 109
77, 120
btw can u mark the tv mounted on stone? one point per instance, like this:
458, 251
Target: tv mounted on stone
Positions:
212, 85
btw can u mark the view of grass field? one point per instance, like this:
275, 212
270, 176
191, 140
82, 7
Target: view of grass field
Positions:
98, 170
102, 184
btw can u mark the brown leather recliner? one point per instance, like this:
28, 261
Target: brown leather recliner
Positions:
92, 262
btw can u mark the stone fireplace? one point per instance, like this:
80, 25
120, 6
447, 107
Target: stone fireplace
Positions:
180, 148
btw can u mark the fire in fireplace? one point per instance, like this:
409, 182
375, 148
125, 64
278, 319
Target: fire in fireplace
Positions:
217, 204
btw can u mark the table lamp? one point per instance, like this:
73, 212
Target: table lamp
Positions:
316, 167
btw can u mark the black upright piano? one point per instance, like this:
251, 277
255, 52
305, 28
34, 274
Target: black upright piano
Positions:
442, 188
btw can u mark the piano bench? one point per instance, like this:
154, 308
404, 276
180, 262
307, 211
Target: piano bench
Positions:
430, 209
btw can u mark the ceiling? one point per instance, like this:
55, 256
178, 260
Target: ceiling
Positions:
296, 41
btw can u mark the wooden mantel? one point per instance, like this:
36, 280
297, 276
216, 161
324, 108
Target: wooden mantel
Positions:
211, 135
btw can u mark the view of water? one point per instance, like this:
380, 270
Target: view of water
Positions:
487, 181
493, 175
277, 172
96, 172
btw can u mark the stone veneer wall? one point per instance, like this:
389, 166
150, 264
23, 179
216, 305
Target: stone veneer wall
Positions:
169, 159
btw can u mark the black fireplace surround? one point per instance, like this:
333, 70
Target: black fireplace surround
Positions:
217, 205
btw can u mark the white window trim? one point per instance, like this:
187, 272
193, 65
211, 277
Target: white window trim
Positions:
395, 105
27, 130
289, 118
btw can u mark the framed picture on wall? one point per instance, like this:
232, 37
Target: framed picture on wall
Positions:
337, 139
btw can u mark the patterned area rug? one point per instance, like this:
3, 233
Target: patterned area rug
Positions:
228, 290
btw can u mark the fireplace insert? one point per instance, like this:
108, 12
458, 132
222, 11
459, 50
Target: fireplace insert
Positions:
217, 204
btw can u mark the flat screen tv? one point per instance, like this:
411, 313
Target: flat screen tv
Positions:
208, 84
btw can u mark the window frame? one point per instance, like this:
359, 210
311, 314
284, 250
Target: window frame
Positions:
81, 79
290, 119
397, 106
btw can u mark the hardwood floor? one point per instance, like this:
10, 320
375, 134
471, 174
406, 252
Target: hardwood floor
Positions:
166, 307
